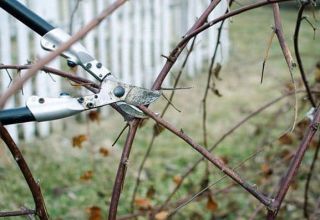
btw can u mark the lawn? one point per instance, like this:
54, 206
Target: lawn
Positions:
70, 190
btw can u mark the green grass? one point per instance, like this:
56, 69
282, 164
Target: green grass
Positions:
58, 166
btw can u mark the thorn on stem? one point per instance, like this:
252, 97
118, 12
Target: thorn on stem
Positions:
168, 58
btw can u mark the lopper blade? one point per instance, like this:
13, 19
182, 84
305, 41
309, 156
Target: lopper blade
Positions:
140, 96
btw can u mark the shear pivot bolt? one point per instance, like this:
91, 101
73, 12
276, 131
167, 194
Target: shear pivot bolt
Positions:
99, 65
71, 64
90, 105
41, 100
119, 91
89, 65
80, 100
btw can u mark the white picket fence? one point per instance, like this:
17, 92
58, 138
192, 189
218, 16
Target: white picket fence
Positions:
129, 43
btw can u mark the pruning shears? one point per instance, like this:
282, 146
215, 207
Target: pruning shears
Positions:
125, 96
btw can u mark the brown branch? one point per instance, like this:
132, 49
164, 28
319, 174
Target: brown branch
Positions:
279, 32
24, 168
214, 160
17, 213
17, 84
92, 86
297, 53
119, 181
294, 166
309, 176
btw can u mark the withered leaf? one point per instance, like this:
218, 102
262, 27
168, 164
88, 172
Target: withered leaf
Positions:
177, 179
314, 143
161, 215
104, 151
94, 213
303, 124
157, 129
286, 155
224, 159
78, 140
87, 175
150, 193
266, 170
94, 116
212, 205
289, 87
216, 92
217, 71
143, 203
286, 139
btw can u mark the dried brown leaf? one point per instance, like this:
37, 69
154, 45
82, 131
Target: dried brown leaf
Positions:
217, 71
157, 129
212, 205
266, 170
177, 179
104, 151
150, 192
143, 203
78, 140
161, 215
87, 175
286, 139
94, 213
94, 116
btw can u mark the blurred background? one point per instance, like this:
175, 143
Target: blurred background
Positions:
74, 159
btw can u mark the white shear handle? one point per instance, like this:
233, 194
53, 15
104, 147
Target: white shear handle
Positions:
46, 109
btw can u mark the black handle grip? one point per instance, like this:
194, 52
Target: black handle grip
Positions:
26, 16
16, 115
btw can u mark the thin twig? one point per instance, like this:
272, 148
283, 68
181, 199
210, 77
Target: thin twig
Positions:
17, 213
75, 78
266, 54
73, 13
120, 134
297, 52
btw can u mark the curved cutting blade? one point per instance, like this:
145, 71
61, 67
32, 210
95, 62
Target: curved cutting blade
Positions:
140, 96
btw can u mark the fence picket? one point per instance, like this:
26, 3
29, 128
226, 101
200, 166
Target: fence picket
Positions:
137, 42
114, 39
125, 42
147, 54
